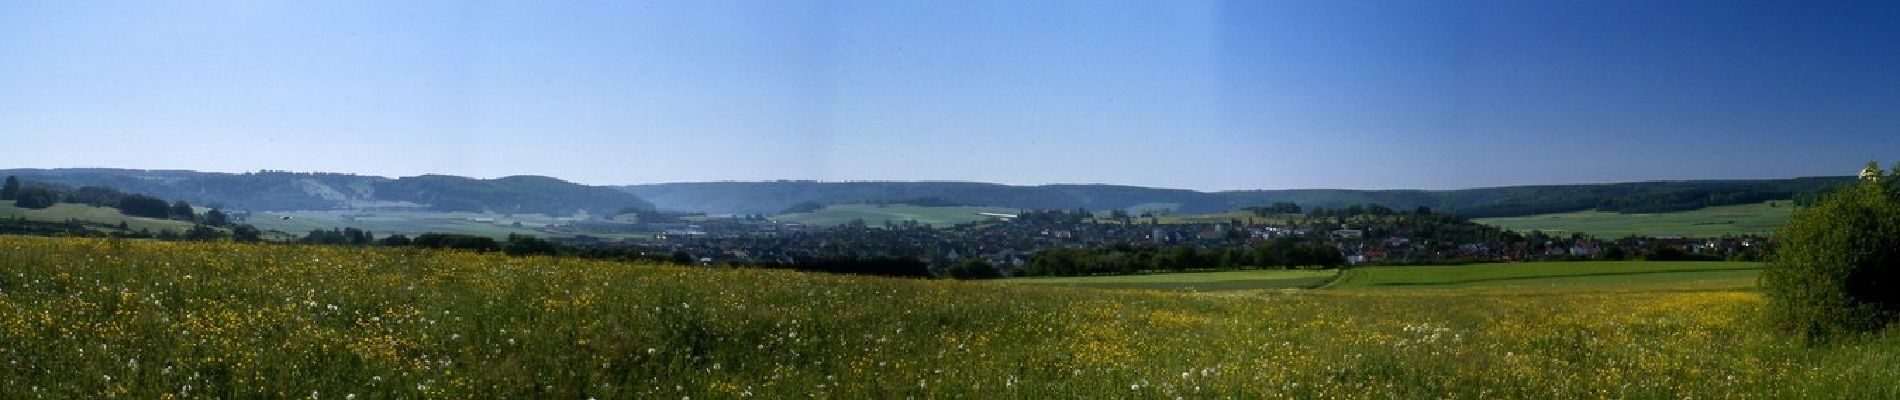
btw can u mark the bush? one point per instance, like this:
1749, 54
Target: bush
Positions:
36, 198
1836, 269
974, 268
454, 241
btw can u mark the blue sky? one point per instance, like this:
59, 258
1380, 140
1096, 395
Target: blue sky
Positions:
1202, 95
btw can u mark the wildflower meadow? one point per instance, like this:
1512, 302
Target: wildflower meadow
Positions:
95, 318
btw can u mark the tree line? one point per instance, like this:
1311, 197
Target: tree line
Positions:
206, 225
36, 195
526, 245
1124, 259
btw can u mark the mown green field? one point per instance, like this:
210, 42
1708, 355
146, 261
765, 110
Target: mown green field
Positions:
1191, 281
873, 214
409, 223
1754, 219
102, 215
93, 318
1592, 276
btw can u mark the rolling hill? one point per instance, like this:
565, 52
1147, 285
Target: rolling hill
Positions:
283, 191
1740, 219
1633, 197
878, 214
287, 191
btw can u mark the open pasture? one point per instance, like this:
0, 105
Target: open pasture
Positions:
1191, 281
409, 223
1742, 219
100, 215
1590, 276
876, 214
93, 318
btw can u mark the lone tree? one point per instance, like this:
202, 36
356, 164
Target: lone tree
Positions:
974, 268
216, 218
1836, 268
11, 190
182, 211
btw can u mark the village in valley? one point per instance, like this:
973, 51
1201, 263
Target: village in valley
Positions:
1370, 235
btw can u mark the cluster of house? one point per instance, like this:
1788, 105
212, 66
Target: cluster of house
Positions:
1014, 242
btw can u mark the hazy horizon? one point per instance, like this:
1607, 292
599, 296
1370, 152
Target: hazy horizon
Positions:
1207, 96
943, 180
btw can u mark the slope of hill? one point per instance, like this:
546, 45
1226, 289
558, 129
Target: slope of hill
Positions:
270, 191
878, 214
1741, 219
773, 197
1633, 197
91, 215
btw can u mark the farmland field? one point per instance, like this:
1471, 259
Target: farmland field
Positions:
94, 318
100, 215
1191, 281
873, 214
1597, 276
409, 223
1757, 219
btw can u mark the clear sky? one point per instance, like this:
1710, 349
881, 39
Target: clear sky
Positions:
1249, 94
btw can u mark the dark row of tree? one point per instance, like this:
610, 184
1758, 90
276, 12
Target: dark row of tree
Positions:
524, 245
1123, 259
38, 195
1278, 207
278, 190
78, 228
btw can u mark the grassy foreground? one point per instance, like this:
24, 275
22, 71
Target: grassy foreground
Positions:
83, 318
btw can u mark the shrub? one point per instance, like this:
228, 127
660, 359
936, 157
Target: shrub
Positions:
1836, 269
974, 268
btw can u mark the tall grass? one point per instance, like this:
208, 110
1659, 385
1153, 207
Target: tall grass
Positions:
84, 318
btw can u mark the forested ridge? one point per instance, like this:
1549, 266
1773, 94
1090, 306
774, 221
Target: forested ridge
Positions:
279, 190
1633, 197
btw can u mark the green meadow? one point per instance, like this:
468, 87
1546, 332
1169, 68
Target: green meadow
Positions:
1585, 276
68, 211
100, 318
1192, 281
409, 223
1743, 219
878, 214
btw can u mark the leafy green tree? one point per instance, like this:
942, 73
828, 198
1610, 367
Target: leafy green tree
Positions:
1181, 258
11, 190
524, 245
358, 237
974, 268
182, 211
144, 206
246, 234
454, 241
394, 240
201, 233
216, 218
1836, 268
36, 198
